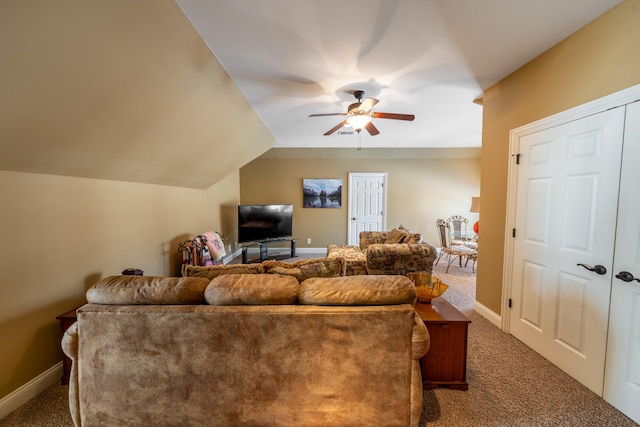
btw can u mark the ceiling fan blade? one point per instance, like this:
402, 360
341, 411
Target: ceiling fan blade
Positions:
329, 114
368, 104
393, 116
371, 129
335, 128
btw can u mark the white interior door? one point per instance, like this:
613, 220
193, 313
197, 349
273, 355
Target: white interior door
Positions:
367, 204
622, 373
565, 215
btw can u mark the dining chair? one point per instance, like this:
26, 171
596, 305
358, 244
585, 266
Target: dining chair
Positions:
458, 224
453, 251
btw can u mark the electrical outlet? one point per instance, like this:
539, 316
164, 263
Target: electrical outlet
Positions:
308, 240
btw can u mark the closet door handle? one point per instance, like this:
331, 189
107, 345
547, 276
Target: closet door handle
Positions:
598, 269
625, 276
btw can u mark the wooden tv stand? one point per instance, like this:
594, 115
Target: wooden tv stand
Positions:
264, 248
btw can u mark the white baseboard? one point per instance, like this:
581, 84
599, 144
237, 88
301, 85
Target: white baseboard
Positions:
311, 250
490, 315
28, 391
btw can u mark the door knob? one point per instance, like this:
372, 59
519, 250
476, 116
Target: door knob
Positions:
354, 218
625, 276
598, 269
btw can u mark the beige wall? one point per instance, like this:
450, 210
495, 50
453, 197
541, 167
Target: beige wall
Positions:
60, 234
419, 191
119, 90
600, 59
222, 201
136, 88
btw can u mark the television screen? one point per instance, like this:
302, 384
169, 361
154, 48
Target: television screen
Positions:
264, 222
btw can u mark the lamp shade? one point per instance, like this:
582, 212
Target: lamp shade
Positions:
475, 204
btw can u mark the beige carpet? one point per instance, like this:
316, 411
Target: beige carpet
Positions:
509, 384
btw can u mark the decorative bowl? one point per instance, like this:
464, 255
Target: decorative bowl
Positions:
427, 286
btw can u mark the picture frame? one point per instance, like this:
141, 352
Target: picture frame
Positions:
325, 193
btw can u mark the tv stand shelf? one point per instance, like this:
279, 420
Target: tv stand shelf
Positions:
264, 248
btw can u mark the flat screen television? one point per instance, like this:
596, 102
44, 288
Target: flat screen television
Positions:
258, 223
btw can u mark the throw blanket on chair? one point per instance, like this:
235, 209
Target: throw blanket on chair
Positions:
215, 244
203, 250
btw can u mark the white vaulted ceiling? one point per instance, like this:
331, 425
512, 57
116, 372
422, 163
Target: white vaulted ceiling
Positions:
430, 58
185, 92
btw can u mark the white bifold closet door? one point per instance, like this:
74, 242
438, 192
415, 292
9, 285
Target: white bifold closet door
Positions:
622, 373
565, 216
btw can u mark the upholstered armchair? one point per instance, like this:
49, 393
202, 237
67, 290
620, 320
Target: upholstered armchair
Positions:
398, 251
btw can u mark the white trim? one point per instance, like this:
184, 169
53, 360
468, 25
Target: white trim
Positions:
311, 250
28, 391
613, 100
490, 315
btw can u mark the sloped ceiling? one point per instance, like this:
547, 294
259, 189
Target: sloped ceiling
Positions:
182, 94
430, 58
119, 90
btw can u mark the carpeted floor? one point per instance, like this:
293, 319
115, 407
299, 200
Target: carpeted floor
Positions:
509, 384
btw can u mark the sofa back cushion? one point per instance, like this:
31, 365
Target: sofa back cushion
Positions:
401, 258
307, 268
358, 290
211, 272
133, 290
413, 238
395, 236
252, 289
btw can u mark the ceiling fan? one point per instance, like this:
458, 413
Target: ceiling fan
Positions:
360, 115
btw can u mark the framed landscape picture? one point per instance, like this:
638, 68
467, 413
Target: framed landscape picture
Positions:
322, 192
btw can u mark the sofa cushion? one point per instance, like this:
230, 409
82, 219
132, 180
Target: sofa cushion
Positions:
358, 290
132, 290
307, 268
396, 236
252, 289
412, 237
211, 272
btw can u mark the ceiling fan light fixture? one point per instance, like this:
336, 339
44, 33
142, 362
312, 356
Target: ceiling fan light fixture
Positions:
358, 121
359, 116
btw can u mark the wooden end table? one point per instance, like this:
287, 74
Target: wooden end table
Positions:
66, 320
445, 364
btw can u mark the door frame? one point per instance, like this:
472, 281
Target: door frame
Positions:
353, 175
613, 100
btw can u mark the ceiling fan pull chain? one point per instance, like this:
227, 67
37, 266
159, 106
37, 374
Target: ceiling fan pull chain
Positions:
359, 141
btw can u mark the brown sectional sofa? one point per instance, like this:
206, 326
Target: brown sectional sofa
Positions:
398, 251
247, 349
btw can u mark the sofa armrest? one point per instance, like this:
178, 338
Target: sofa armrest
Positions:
420, 343
420, 340
70, 347
400, 258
